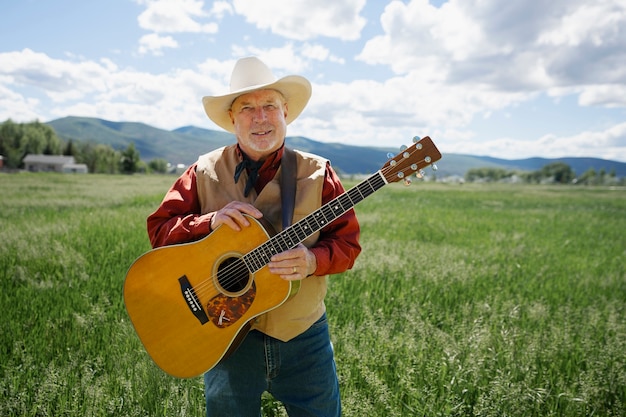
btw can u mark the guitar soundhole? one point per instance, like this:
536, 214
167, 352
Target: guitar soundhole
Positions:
232, 275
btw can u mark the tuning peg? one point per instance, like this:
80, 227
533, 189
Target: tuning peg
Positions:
416, 139
390, 155
403, 148
434, 167
407, 181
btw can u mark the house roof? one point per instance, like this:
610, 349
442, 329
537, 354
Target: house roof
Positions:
49, 159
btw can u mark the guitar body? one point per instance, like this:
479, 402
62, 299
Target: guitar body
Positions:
191, 304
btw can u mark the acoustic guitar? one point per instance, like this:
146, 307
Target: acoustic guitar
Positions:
191, 304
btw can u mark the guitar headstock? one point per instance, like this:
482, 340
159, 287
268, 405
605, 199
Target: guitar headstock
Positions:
411, 160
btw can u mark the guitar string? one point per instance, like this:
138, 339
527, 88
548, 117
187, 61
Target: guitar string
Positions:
233, 273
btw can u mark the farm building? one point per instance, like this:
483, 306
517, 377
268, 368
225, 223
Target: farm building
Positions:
53, 163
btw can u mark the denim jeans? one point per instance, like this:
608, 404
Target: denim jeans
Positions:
300, 373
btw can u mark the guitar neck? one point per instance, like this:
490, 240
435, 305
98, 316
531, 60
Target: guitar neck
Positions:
314, 222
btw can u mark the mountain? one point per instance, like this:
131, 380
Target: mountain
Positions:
178, 146
183, 145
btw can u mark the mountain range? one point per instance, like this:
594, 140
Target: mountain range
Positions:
183, 145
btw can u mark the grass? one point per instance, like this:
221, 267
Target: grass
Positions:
468, 300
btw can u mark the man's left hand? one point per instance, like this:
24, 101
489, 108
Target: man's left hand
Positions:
294, 264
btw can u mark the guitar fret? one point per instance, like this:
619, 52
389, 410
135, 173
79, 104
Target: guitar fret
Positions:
327, 212
288, 239
316, 218
251, 260
280, 238
302, 229
345, 201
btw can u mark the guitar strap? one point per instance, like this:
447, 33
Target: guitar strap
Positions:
288, 185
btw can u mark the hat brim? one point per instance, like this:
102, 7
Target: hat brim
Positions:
295, 89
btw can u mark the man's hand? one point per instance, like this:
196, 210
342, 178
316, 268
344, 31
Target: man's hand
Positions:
294, 264
232, 215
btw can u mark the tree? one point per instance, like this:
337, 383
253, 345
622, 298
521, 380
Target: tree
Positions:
588, 177
20, 139
70, 149
487, 174
130, 159
158, 165
558, 172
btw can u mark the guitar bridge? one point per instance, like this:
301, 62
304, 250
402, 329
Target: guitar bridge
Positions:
192, 300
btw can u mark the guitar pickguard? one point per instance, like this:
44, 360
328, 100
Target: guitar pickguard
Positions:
225, 311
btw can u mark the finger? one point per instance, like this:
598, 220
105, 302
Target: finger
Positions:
232, 218
289, 274
291, 254
285, 268
251, 210
245, 208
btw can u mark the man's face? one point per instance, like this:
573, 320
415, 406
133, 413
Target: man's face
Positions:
259, 121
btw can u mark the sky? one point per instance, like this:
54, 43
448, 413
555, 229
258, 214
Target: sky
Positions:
502, 78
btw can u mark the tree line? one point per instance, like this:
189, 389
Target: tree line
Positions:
20, 139
552, 173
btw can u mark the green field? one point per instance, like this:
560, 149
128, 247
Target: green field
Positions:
472, 300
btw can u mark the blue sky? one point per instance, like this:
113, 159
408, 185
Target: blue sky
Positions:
509, 79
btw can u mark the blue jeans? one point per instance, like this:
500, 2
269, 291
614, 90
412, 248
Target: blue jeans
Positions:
300, 373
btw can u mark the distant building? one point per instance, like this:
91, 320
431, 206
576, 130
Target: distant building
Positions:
53, 163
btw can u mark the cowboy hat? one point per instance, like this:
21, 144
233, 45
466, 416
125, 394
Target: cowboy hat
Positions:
251, 74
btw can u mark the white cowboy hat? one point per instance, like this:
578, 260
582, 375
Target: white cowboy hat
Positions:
251, 74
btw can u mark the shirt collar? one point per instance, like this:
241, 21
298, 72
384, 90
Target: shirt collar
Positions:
271, 162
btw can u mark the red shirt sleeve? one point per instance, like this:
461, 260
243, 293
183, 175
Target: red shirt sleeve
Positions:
178, 218
338, 245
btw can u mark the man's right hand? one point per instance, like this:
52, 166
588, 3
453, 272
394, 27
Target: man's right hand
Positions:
232, 215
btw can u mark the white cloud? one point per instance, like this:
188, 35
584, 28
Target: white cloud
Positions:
516, 45
304, 20
99, 89
472, 57
221, 8
58, 79
608, 95
176, 16
608, 144
283, 60
597, 23
16, 106
154, 44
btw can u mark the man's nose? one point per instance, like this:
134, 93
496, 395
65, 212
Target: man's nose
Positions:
259, 114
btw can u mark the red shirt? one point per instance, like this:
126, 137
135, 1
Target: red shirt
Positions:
178, 219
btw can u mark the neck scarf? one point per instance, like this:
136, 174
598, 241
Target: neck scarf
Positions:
252, 167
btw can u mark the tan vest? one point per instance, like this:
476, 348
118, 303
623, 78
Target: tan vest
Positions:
217, 187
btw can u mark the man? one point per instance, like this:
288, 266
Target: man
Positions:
288, 351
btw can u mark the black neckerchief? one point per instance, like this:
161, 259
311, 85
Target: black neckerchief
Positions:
253, 172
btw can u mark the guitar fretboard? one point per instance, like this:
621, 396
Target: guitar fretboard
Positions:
299, 231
